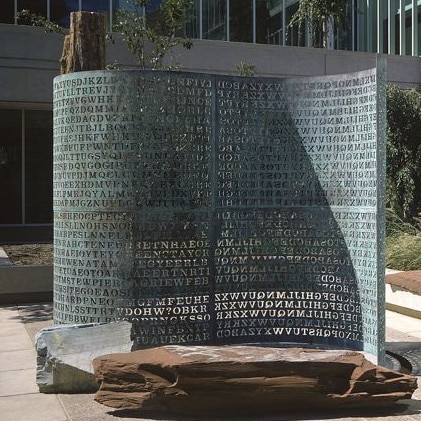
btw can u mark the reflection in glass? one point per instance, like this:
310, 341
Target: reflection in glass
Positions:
294, 34
124, 5
101, 6
38, 166
193, 21
60, 11
241, 20
10, 167
34, 6
7, 11
269, 22
214, 19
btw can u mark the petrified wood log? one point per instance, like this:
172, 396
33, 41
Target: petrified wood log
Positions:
84, 47
244, 379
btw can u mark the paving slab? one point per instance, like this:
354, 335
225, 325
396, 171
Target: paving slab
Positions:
15, 340
32, 407
17, 382
9, 313
403, 324
20, 399
17, 360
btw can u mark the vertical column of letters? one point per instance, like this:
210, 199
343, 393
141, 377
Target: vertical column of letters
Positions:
337, 120
169, 297
93, 173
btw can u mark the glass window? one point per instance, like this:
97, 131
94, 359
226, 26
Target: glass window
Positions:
153, 6
10, 167
344, 32
101, 6
38, 167
390, 27
418, 40
7, 11
96, 5
269, 21
121, 5
35, 6
214, 19
60, 11
39, 7
384, 28
241, 20
193, 21
408, 28
295, 36
153, 15
152, 10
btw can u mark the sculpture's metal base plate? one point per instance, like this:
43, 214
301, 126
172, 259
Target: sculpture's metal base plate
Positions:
405, 357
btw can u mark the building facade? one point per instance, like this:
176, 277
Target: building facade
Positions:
226, 32
390, 26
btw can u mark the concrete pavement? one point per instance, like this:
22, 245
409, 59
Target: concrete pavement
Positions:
19, 396
21, 401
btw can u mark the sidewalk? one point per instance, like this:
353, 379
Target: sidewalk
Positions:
21, 401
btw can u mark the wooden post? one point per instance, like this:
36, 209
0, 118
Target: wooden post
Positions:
84, 47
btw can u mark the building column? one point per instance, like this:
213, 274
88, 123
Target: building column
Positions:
380, 32
368, 27
284, 23
402, 37
391, 27
253, 11
414, 28
227, 5
23, 169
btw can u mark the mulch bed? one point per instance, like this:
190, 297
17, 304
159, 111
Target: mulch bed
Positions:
30, 254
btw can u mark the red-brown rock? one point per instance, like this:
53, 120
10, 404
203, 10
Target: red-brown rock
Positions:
408, 280
244, 379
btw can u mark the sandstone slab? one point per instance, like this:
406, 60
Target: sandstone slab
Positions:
244, 379
403, 292
65, 354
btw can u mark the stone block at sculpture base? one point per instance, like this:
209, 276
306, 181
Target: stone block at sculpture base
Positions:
65, 354
244, 380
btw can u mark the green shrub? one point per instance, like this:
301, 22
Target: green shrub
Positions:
396, 226
403, 243
403, 252
403, 169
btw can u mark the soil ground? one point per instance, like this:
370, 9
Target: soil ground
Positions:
30, 254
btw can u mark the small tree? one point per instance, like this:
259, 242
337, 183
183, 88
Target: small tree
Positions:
149, 38
25, 16
162, 30
404, 152
246, 69
319, 15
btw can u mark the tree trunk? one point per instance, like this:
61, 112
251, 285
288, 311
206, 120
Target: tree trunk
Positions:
84, 47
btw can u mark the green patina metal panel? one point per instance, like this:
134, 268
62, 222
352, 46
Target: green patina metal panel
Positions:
217, 209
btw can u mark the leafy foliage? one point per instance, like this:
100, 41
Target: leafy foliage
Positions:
25, 16
403, 242
403, 179
395, 226
317, 14
149, 37
161, 30
246, 69
403, 252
